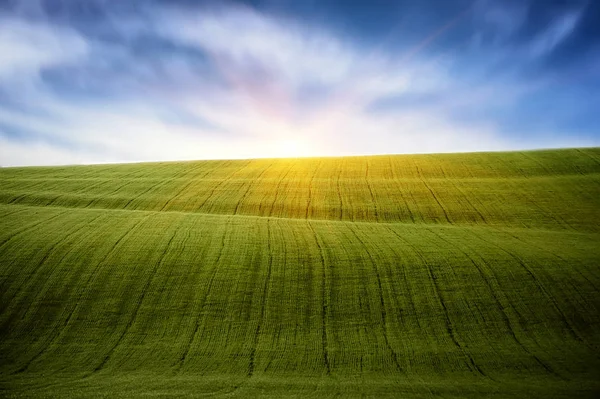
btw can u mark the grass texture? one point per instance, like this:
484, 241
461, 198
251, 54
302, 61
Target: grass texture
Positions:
423, 276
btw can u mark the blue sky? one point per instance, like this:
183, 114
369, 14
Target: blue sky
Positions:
110, 81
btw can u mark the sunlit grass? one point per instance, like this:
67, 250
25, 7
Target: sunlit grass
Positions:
459, 275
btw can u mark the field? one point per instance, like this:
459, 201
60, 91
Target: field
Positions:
422, 276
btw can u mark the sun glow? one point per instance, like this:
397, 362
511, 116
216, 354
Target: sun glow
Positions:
289, 148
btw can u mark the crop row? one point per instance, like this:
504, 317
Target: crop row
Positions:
517, 190
94, 290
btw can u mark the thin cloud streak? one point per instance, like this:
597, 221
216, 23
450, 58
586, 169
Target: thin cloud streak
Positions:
556, 33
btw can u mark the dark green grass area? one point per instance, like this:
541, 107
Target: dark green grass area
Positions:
453, 276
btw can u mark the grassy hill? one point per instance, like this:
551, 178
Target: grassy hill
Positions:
454, 276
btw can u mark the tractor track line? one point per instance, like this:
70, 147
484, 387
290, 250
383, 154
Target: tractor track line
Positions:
433, 194
138, 304
324, 337
381, 300
505, 318
263, 302
53, 335
575, 335
449, 325
198, 323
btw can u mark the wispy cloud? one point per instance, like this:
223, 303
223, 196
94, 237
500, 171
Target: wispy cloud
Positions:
556, 33
27, 48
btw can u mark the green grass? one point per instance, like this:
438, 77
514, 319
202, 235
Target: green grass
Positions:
425, 276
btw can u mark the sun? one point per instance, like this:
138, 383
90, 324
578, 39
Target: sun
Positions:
290, 148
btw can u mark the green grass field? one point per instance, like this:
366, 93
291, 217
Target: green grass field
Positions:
423, 276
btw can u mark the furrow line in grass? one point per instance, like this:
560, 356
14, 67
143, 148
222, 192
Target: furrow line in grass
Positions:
94, 200
146, 191
339, 193
394, 178
544, 168
310, 183
305, 277
31, 226
443, 173
558, 218
324, 337
433, 195
381, 301
196, 181
448, 321
47, 255
203, 301
6, 302
505, 318
466, 197
52, 200
574, 334
54, 334
221, 182
468, 169
77, 191
371, 190
411, 300
13, 211
249, 186
416, 203
284, 269
137, 196
178, 252
545, 249
87, 188
277, 190
138, 304
406, 279
18, 197
468, 226
98, 266
299, 220
527, 196
263, 303
123, 236
155, 186
185, 187
596, 160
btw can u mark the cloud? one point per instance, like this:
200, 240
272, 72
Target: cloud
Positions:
17, 153
230, 81
499, 19
28, 47
280, 48
556, 33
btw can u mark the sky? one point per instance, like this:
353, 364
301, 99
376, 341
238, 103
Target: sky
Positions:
99, 81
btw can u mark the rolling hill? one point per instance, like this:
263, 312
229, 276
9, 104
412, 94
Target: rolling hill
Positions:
416, 276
